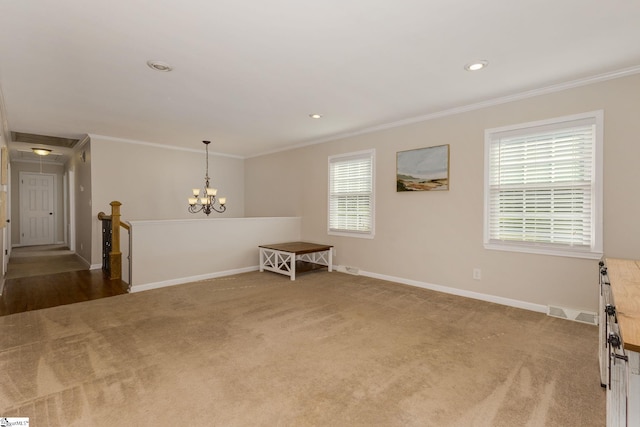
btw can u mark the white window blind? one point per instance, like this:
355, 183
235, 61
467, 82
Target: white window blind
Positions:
351, 193
542, 187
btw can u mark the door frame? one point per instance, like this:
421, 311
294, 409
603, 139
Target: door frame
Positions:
6, 230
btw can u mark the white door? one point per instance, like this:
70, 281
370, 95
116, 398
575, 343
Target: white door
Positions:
37, 209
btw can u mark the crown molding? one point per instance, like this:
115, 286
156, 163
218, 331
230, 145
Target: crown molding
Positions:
165, 146
36, 162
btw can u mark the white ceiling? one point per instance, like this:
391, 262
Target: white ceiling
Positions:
248, 73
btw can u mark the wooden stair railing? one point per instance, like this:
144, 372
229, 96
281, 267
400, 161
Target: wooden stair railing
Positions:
113, 266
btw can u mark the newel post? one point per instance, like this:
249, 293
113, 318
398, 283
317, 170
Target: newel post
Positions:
115, 256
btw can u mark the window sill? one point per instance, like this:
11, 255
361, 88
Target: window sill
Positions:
348, 234
544, 250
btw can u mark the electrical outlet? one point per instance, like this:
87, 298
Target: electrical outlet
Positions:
477, 274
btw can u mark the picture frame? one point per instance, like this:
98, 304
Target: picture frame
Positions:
423, 169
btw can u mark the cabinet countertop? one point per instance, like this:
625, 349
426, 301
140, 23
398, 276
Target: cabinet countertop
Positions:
624, 276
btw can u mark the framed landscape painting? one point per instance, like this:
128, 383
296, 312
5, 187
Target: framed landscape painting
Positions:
423, 169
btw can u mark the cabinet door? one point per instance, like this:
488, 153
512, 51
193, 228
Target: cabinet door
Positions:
633, 388
617, 388
603, 348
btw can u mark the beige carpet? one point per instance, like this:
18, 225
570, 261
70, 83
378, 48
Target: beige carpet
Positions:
329, 349
29, 261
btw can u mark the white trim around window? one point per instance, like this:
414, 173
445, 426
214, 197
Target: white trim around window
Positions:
543, 187
351, 192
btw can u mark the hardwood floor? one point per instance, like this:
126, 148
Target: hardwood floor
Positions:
38, 292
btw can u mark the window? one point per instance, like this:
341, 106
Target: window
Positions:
543, 187
351, 194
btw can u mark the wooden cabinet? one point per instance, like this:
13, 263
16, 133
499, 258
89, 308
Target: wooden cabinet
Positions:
619, 341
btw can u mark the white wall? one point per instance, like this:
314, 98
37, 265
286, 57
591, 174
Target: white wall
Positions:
180, 251
80, 166
436, 237
153, 182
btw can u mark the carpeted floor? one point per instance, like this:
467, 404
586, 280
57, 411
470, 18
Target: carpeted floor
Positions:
29, 261
329, 349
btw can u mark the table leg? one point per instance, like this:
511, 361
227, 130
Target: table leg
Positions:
261, 260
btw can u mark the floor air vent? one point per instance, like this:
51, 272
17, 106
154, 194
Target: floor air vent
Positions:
575, 315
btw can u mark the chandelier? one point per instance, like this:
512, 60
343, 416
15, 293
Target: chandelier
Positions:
206, 201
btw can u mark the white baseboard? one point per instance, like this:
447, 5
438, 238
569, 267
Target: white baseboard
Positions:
182, 280
88, 264
22, 245
84, 261
438, 288
453, 291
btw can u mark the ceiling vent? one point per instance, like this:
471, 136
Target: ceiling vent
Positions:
33, 139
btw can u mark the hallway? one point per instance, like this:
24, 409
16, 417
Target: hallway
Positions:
48, 276
27, 261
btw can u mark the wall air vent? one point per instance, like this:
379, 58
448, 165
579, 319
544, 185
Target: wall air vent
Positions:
571, 314
348, 269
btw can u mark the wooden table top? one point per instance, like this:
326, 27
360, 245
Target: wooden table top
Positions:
624, 276
297, 248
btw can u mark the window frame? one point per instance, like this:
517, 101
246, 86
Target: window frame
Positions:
371, 154
595, 251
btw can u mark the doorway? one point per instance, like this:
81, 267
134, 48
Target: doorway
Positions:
37, 208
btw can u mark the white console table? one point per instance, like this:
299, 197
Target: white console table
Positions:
287, 258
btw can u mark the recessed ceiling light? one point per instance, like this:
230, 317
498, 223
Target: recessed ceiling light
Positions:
476, 65
159, 66
315, 116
